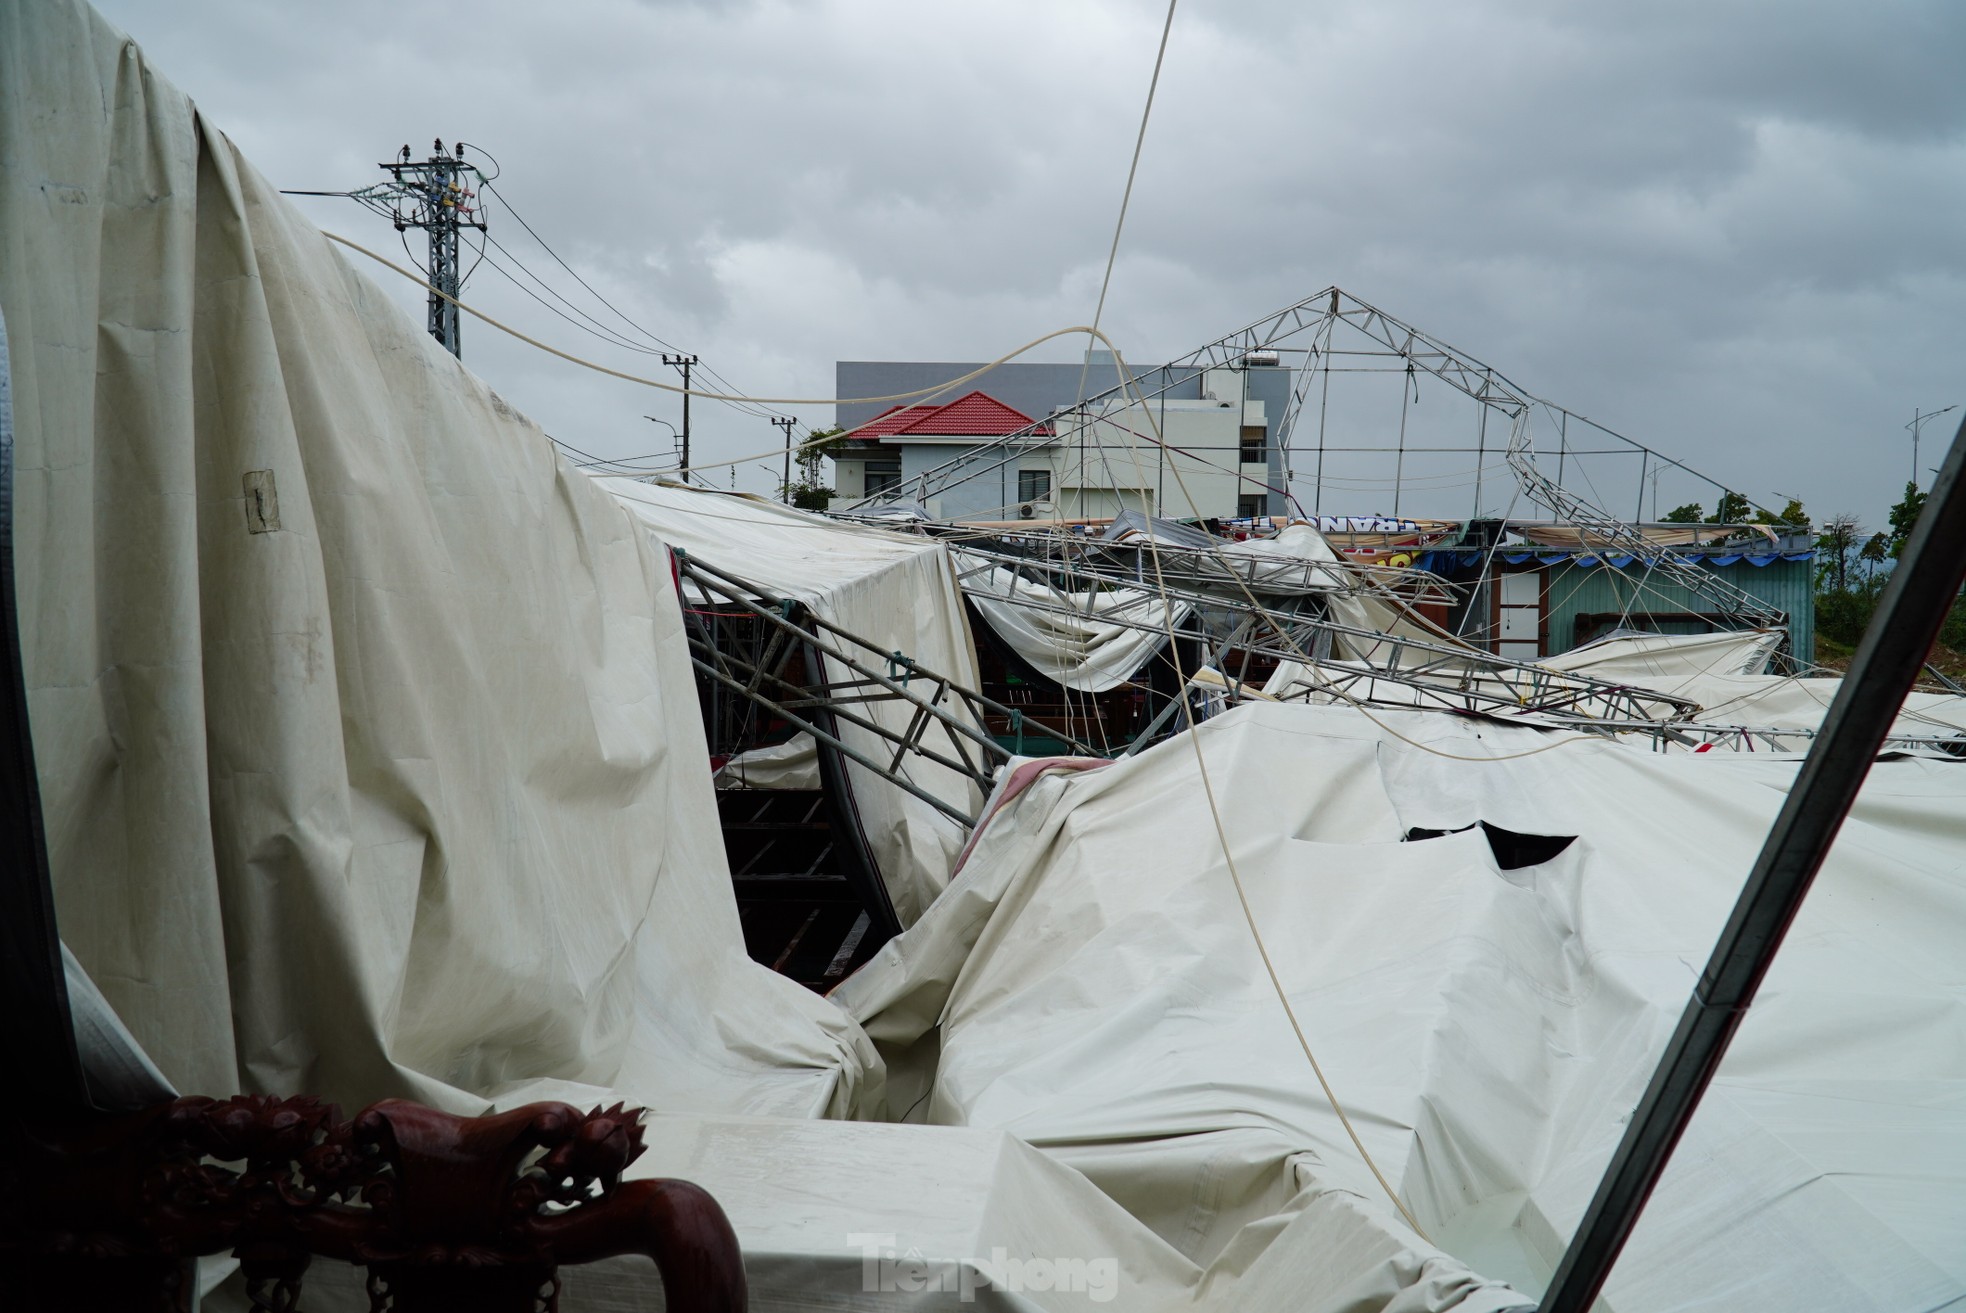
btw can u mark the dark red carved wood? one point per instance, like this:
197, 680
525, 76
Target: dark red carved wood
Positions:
446, 1212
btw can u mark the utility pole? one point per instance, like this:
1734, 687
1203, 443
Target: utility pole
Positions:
441, 198
683, 363
785, 422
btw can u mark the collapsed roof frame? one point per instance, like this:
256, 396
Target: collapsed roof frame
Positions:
817, 703
1449, 676
1207, 567
1318, 316
1742, 738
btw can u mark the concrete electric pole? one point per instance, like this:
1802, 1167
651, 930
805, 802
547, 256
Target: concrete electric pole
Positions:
683, 363
785, 423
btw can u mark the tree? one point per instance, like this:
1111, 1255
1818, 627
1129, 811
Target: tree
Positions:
1837, 548
1903, 517
1690, 513
1792, 516
1733, 509
818, 444
809, 492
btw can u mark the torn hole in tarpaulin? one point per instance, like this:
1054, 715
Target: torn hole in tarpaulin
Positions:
1513, 850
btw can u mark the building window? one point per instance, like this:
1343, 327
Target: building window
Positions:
882, 476
1254, 438
1248, 508
1033, 485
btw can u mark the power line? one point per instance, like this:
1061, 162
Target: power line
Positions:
660, 343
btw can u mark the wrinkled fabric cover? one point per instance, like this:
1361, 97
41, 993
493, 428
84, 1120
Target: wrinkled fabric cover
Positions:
1722, 672
407, 795
1629, 657
896, 591
1089, 984
1358, 603
793, 764
886, 1219
1101, 644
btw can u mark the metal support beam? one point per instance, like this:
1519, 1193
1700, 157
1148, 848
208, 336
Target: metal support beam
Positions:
846, 676
1444, 673
1921, 591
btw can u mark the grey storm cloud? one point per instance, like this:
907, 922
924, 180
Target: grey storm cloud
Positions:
1728, 229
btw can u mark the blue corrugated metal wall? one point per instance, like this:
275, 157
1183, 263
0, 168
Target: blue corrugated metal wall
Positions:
1576, 590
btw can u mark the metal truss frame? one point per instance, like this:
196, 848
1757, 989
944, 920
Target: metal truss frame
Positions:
845, 675
1317, 315
1742, 738
1442, 674
1237, 573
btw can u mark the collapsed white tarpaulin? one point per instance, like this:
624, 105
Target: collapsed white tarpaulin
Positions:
1722, 673
1088, 640
366, 736
1351, 603
793, 764
893, 590
1632, 657
1353, 683
1089, 983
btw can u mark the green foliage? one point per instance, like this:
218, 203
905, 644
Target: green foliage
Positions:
1690, 513
1839, 550
1844, 614
1953, 632
1903, 517
809, 491
1792, 516
819, 444
807, 496
1733, 509
1851, 571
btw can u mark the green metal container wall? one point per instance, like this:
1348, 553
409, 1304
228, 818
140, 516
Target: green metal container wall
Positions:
1576, 590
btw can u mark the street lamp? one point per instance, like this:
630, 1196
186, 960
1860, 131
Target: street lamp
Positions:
1917, 420
673, 436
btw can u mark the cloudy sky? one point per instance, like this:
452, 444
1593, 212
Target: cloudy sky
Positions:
1730, 229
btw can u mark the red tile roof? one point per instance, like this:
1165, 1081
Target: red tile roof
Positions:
977, 415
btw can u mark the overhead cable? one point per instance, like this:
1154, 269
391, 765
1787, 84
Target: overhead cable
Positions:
661, 386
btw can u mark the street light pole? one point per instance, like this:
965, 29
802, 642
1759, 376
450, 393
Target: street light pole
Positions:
1917, 420
665, 424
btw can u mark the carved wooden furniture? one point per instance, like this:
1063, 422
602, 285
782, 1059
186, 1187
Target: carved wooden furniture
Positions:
445, 1212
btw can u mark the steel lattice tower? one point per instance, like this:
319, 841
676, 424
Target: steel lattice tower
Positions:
440, 196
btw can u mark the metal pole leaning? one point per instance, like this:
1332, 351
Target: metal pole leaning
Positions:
1921, 591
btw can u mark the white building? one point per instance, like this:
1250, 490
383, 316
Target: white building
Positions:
1201, 451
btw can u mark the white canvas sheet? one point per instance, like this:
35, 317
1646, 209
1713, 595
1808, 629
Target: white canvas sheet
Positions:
1721, 672
1374, 610
1105, 640
867, 1217
394, 787
793, 764
1625, 658
897, 591
1089, 984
